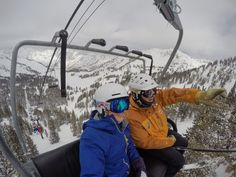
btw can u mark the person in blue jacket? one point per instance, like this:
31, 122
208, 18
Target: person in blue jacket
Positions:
106, 146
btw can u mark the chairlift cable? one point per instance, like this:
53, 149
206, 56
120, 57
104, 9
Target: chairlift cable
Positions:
82, 25
81, 18
86, 20
72, 16
54, 52
57, 60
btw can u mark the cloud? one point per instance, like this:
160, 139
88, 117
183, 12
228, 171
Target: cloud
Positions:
209, 26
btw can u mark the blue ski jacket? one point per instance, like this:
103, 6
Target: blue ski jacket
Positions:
106, 148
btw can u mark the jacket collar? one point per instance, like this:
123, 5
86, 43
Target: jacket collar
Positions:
135, 106
108, 123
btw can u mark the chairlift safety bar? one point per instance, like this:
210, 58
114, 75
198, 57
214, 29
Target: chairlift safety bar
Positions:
16, 122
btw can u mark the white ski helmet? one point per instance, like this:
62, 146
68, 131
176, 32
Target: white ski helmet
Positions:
110, 91
138, 84
141, 81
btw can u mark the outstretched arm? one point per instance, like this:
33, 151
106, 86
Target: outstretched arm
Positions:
176, 95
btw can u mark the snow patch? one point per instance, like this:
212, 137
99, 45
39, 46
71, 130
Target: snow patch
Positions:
43, 145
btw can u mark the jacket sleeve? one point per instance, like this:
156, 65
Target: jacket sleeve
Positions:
144, 140
176, 95
132, 151
91, 158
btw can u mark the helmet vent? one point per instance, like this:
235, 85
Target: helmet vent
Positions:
115, 94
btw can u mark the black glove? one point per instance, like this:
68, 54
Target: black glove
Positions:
139, 167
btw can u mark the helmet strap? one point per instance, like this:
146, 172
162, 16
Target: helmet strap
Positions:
140, 101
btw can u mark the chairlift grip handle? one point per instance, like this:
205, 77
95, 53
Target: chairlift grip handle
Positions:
63, 35
100, 42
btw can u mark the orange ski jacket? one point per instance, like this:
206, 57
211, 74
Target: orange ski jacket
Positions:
149, 126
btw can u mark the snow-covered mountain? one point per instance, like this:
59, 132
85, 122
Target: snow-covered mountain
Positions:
32, 61
26, 63
181, 62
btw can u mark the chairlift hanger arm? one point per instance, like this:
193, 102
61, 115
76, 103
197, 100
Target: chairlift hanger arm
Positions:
171, 56
168, 10
63, 35
151, 65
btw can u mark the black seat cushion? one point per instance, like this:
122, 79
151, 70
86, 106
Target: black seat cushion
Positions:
64, 162
61, 162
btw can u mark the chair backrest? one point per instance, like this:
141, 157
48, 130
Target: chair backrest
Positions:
61, 162
64, 162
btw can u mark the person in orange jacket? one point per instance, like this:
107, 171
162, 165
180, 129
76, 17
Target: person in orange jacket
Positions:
148, 121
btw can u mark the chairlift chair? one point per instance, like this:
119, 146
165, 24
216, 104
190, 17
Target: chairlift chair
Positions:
63, 160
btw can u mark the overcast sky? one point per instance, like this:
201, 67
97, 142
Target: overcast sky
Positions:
209, 25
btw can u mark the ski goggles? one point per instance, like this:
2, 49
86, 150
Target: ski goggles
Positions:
148, 93
119, 105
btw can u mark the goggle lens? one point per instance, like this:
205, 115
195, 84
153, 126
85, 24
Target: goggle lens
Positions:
148, 93
119, 105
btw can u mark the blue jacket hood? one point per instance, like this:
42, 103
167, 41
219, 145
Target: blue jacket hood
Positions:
104, 123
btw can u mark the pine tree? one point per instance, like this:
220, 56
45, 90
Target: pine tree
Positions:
67, 116
13, 142
6, 169
1, 112
53, 135
21, 110
46, 113
213, 126
232, 94
74, 125
24, 125
31, 147
82, 118
37, 112
80, 123
7, 111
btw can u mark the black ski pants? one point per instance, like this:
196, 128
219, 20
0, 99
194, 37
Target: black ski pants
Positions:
171, 157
